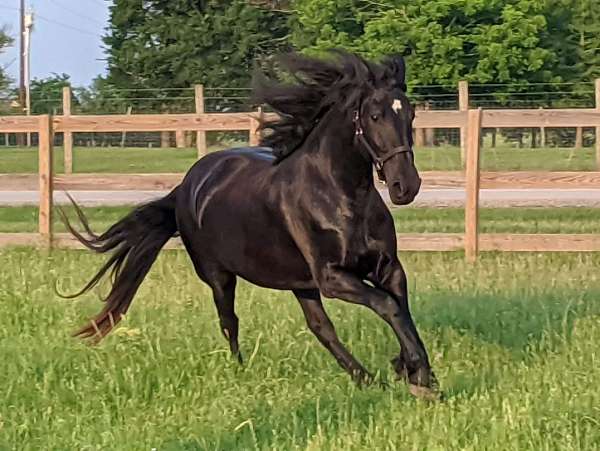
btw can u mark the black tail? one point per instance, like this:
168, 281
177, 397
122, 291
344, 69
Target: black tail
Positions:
135, 241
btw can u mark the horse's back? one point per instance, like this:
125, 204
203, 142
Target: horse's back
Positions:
238, 171
229, 209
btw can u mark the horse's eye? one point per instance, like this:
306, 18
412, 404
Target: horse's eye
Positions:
374, 117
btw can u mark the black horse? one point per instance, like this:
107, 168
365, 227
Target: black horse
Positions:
299, 213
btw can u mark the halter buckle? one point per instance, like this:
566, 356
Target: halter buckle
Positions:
357, 127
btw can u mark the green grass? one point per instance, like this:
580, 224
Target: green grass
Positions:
509, 159
25, 219
499, 220
99, 159
136, 160
513, 340
408, 220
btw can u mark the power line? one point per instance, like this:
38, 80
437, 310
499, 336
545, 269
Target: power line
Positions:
10, 63
100, 2
76, 13
9, 7
61, 24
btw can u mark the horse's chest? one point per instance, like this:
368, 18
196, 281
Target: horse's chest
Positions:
356, 245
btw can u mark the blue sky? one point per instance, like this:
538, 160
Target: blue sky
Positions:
66, 38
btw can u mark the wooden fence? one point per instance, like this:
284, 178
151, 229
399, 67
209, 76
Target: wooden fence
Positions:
470, 122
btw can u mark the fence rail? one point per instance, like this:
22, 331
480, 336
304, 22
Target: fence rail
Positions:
470, 122
431, 179
448, 119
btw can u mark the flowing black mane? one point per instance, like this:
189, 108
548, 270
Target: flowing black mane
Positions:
317, 84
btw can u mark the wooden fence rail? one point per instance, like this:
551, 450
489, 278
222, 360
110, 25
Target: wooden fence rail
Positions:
432, 119
469, 121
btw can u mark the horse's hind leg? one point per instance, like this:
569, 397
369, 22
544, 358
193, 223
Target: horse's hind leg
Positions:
222, 284
223, 287
320, 324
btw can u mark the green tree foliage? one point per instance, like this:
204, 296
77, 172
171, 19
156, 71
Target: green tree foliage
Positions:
586, 25
101, 97
178, 43
46, 93
5, 42
495, 41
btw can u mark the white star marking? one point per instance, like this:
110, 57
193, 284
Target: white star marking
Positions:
397, 106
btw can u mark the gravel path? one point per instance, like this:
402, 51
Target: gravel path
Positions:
426, 198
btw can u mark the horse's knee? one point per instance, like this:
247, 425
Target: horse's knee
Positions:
332, 284
388, 309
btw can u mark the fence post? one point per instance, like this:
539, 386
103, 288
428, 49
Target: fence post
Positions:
67, 136
472, 185
463, 105
254, 137
200, 134
542, 133
419, 133
180, 139
579, 137
46, 135
428, 133
598, 128
124, 134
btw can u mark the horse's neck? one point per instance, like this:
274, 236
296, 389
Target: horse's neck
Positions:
330, 153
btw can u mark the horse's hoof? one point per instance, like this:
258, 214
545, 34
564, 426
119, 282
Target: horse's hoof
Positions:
363, 380
425, 393
400, 369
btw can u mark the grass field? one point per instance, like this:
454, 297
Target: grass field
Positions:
409, 220
513, 340
136, 160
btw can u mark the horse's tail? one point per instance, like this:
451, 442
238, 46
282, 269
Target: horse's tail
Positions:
135, 242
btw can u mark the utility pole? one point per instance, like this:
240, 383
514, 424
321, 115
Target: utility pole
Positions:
20, 136
28, 27
22, 57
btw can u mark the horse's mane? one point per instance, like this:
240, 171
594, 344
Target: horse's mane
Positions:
314, 86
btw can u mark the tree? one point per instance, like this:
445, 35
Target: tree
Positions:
483, 42
5, 42
178, 43
100, 97
587, 28
46, 93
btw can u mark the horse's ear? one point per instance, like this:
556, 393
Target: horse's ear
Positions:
366, 72
395, 71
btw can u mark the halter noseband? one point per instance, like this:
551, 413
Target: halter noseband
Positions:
377, 161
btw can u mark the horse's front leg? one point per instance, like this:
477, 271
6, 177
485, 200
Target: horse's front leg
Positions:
336, 282
412, 362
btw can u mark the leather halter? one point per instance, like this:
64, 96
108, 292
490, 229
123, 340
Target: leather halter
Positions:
377, 161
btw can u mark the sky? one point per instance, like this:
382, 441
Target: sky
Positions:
66, 38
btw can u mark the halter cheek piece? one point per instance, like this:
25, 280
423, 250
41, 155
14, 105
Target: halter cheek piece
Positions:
377, 161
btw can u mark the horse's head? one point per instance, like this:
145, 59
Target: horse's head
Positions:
383, 123
373, 93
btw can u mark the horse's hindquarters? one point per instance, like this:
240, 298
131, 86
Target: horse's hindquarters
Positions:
229, 218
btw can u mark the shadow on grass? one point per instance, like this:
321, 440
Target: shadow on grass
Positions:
518, 324
503, 331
